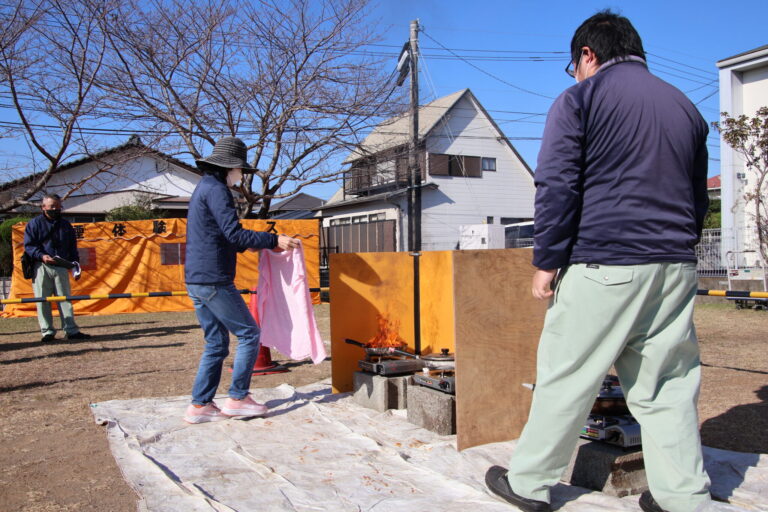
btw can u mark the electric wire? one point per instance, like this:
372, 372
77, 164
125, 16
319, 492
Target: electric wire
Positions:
528, 91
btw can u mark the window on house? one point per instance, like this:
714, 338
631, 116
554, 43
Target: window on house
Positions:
385, 172
359, 219
455, 165
489, 164
376, 217
173, 253
340, 222
511, 220
489, 220
87, 257
464, 166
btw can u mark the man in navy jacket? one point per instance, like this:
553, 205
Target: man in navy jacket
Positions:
45, 237
214, 237
620, 203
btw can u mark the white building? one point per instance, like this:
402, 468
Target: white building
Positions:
743, 89
471, 174
113, 178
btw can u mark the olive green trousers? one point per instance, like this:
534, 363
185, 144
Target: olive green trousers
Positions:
50, 280
639, 319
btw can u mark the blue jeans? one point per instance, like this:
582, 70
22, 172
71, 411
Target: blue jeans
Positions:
221, 310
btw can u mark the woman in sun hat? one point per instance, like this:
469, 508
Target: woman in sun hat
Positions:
214, 237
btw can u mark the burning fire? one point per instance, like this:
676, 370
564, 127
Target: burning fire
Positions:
387, 335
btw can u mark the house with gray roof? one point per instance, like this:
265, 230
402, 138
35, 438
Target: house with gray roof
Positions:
471, 174
298, 206
114, 177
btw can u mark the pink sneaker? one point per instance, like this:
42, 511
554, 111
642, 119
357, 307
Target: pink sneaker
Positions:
203, 414
245, 407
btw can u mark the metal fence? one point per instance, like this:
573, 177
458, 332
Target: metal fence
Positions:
716, 254
731, 254
710, 254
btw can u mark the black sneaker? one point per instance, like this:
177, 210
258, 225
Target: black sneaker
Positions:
48, 337
496, 480
78, 336
648, 504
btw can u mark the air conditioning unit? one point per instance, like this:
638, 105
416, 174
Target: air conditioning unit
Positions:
481, 236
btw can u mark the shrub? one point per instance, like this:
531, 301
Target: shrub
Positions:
6, 249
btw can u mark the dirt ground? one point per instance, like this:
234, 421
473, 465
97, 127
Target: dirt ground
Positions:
55, 458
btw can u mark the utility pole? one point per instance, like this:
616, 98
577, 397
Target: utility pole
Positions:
414, 178
414, 190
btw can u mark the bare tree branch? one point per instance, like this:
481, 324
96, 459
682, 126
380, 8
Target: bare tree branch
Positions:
49, 66
291, 78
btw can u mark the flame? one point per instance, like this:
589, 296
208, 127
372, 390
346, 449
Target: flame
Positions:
387, 335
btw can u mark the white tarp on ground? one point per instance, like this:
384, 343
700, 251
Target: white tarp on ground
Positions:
316, 451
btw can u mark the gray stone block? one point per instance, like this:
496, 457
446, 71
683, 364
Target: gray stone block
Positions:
607, 468
380, 393
432, 409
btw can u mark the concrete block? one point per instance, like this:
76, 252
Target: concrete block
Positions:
380, 393
607, 468
432, 409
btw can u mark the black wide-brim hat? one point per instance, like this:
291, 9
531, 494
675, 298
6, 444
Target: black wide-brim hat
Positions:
229, 153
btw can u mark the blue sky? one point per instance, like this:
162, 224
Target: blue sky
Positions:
501, 49
684, 40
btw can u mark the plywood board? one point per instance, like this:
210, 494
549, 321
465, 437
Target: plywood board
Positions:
362, 287
436, 284
366, 285
497, 324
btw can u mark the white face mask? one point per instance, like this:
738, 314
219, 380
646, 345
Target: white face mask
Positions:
234, 177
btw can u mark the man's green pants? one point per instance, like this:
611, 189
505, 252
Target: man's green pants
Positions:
639, 319
50, 280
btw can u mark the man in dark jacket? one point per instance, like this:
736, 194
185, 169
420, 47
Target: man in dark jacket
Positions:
47, 237
214, 237
620, 202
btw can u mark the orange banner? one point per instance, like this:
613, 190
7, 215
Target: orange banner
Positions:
148, 256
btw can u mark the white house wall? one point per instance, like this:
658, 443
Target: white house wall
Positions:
743, 89
507, 192
98, 202
143, 174
754, 89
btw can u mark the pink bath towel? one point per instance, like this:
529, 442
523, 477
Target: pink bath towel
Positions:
285, 307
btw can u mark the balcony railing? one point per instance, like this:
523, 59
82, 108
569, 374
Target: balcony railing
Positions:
361, 180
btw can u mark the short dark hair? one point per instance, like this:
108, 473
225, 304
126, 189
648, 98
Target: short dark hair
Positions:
53, 197
608, 35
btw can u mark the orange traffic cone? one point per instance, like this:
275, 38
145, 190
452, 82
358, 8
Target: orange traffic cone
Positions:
264, 364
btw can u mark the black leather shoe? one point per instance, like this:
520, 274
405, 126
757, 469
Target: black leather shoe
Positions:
48, 337
78, 336
496, 480
648, 504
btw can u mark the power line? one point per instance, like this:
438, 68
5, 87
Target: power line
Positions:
707, 71
119, 131
707, 96
487, 55
707, 79
491, 74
